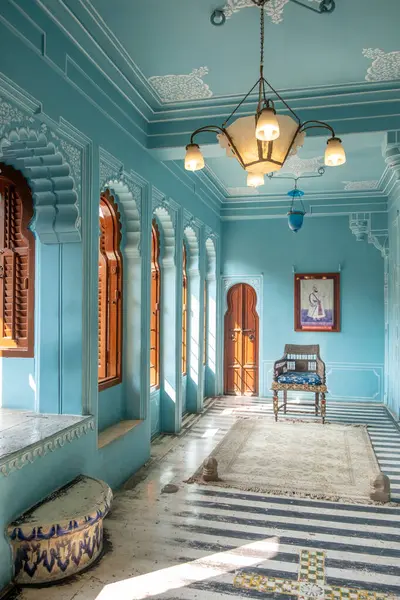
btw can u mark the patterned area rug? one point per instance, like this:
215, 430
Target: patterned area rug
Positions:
304, 459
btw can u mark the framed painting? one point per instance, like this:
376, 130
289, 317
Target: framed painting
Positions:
317, 302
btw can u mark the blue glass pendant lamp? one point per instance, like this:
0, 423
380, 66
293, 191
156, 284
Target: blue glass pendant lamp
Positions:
296, 216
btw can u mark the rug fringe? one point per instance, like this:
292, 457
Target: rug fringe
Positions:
277, 492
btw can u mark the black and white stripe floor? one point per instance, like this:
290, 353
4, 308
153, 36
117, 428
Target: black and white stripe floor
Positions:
189, 545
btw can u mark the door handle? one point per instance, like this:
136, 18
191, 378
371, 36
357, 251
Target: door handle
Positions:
252, 337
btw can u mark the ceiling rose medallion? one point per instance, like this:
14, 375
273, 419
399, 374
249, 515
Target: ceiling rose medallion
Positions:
261, 143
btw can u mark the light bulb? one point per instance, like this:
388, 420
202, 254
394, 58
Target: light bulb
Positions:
194, 160
267, 128
334, 153
255, 179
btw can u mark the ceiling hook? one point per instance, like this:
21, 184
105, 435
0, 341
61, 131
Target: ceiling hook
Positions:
218, 17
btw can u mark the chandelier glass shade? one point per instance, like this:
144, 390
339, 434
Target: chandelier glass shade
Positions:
262, 142
254, 155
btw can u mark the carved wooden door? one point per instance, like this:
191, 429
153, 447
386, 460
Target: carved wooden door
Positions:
241, 342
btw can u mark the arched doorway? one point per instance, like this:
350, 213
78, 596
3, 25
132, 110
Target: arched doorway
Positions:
241, 342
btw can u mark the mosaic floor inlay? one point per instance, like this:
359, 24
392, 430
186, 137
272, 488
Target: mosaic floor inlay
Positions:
311, 584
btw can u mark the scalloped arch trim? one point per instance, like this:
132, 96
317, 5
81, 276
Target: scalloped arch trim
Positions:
168, 232
56, 219
193, 246
211, 254
130, 216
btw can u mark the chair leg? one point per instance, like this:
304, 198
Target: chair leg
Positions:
316, 403
285, 401
323, 407
276, 404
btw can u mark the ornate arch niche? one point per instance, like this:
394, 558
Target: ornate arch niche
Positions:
50, 159
165, 211
127, 195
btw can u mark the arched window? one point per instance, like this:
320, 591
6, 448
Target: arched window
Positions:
184, 310
155, 307
205, 324
17, 265
110, 294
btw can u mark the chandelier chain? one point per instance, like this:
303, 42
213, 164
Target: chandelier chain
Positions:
262, 20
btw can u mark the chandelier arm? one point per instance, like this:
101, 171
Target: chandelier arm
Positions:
240, 104
313, 124
206, 129
325, 6
217, 129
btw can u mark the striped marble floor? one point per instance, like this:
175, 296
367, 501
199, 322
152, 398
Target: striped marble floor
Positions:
190, 545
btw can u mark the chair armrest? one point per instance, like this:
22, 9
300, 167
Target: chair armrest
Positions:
280, 366
321, 370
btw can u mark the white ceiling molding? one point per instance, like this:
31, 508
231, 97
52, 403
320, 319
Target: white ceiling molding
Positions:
273, 8
385, 65
179, 88
357, 186
242, 191
297, 166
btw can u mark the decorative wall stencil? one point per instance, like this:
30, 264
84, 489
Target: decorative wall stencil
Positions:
297, 166
385, 65
355, 186
9, 114
25, 457
178, 88
274, 8
62, 535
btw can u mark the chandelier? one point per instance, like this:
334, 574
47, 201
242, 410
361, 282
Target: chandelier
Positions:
261, 143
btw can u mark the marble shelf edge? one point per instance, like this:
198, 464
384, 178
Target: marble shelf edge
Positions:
27, 455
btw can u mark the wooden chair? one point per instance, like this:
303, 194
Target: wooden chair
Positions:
301, 370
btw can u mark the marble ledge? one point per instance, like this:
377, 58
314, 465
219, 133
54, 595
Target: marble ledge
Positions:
26, 436
113, 433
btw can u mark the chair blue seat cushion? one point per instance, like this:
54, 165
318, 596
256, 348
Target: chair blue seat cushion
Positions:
297, 378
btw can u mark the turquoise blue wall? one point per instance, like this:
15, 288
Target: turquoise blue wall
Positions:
392, 156
66, 341
355, 356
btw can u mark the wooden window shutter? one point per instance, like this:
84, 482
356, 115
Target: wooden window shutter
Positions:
155, 307
109, 294
17, 266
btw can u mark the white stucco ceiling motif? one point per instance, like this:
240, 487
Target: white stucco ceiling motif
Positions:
356, 186
385, 65
297, 166
273, 8
178, 88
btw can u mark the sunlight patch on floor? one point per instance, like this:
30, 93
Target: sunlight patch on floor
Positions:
178, 576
